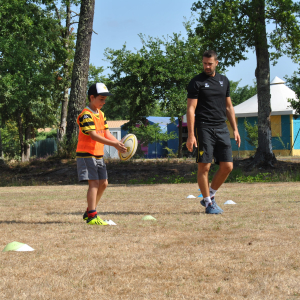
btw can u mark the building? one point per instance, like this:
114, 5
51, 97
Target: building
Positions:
285, 124
115, 130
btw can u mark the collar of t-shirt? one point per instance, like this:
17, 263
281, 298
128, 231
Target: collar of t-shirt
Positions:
95, 112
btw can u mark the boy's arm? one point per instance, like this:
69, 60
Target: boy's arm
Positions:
103, 140
109, 136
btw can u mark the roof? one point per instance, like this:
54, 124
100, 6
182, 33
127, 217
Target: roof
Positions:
280, 94
116, 124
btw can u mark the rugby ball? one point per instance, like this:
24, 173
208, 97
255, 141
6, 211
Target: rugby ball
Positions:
130, 142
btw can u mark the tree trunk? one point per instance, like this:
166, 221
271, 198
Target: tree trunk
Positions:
63, 118
264, 154
21, 136
179, 137
81, 66
66, 71
28, 136
1, 151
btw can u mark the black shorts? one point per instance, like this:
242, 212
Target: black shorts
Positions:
213, 143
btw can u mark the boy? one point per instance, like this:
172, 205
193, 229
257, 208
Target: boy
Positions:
93, 135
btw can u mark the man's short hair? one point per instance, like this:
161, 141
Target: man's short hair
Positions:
210, 53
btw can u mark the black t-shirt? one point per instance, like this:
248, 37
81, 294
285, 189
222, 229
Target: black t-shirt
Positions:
211, 93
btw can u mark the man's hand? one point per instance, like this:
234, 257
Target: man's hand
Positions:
237, 138
120, 147
190, 143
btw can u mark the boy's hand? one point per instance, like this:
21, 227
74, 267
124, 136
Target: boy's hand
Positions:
120, 147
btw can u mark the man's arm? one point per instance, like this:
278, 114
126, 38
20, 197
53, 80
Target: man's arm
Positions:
190, 115
231, 118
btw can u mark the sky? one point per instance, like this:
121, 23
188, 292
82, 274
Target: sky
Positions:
118, 22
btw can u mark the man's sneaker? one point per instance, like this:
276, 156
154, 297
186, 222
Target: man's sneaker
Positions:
85, 216
202, 202
213, 209
96, 221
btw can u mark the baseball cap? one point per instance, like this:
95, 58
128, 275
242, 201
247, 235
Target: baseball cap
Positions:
99, 89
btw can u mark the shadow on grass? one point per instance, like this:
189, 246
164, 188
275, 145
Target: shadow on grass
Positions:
134, 213
37, 223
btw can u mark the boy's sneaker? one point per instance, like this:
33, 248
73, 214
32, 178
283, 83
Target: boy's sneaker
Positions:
213, 209
85, 216
202, 202
96, 221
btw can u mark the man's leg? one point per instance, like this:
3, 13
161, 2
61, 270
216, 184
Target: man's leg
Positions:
202, 178
221, 175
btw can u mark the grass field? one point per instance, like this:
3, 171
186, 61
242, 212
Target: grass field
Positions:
251, 251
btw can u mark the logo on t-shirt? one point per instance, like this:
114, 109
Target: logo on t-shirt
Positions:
221, 83
206, 85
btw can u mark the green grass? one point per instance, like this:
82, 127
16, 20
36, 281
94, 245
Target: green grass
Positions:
236, 176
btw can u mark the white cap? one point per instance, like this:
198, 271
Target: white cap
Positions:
99, 89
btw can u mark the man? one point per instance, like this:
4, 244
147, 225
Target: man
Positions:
208, 106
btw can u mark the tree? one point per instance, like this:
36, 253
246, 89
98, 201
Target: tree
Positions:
157, 74
233, 27
135, 81
148, 134
31, 55
241, 94
64, 75
81, 66
294, 83
181, 59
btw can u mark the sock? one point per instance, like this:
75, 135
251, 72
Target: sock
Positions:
92, 213
212, 192
207, 201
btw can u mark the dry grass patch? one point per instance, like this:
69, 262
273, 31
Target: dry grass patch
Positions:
249, 252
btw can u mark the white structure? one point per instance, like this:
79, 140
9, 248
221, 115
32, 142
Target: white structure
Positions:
115, 130
280, 94
285, 125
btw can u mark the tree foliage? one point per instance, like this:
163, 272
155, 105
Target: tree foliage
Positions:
31, 53
157, 74
233, 27
240, 94
294, 83
252, 134
64, 13
10, 140
148, 134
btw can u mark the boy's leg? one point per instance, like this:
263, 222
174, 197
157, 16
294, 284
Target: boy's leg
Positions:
92, 194
101, 188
